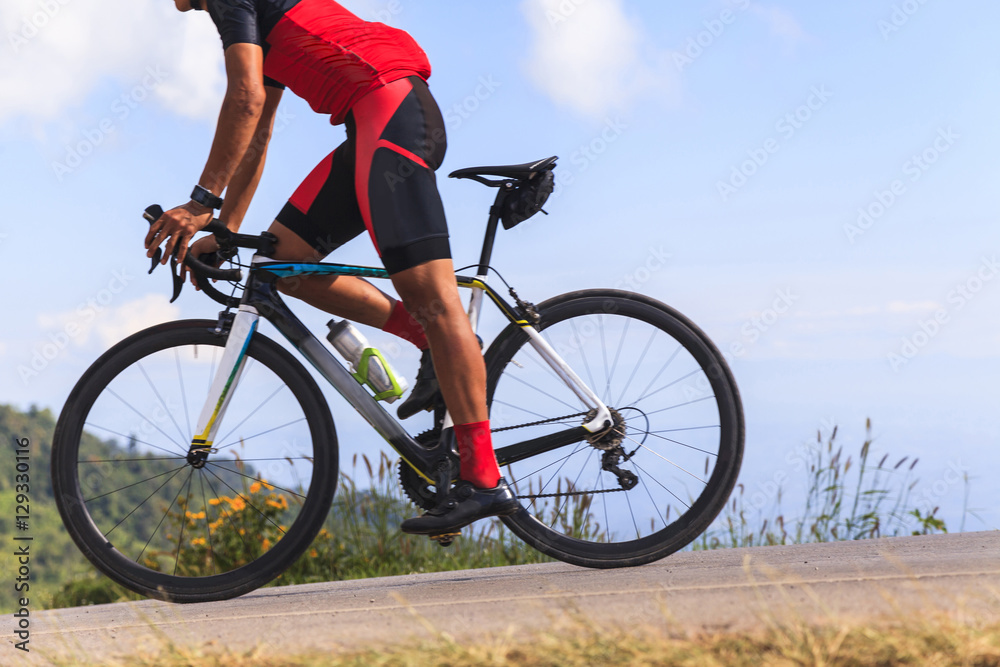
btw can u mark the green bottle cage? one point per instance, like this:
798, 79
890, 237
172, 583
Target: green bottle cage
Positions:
362, 374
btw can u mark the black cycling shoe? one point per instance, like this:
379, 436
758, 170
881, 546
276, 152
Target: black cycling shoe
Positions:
426, 393
463, 505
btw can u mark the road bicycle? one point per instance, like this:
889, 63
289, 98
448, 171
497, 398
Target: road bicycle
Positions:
615, 420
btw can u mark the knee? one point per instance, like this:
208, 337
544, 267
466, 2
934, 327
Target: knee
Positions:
436, 311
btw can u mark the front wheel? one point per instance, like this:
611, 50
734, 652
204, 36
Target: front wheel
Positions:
175, 528
660, 476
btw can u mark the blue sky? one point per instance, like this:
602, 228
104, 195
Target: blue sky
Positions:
820, 177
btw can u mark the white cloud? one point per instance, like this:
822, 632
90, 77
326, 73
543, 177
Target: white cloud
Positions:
134, 316
903, 307
782, 24
593, 58
101, 317
57, 53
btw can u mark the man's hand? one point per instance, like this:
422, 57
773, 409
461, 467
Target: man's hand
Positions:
200, 247
177, 227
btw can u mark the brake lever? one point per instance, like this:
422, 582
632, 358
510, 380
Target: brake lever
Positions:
156, 261
178, 279
152, 214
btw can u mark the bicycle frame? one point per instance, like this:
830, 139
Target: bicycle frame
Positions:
261, 298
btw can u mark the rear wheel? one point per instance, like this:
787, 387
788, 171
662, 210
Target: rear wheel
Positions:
164, 526
664, 471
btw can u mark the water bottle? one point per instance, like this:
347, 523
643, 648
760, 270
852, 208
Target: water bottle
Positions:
367, 364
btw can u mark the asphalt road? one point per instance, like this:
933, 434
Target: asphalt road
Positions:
716, 591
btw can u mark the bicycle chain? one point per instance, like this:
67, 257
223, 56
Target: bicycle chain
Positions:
572, 493
555, 495
538, 423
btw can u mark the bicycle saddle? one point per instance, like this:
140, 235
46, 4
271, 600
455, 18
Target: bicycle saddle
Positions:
518, 171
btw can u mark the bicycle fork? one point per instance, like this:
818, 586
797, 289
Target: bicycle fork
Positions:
223, 385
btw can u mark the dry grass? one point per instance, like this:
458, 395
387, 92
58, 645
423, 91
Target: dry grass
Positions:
924, 642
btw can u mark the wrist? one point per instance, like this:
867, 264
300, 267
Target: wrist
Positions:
197, 209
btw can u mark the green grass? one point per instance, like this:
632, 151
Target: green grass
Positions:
847, 498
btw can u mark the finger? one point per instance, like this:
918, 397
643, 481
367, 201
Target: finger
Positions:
154, 230
191, 277
182, 246
168, 249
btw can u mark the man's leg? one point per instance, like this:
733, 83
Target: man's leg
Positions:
430, 293
344, 296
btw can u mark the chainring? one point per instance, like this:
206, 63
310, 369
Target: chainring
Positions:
420, 492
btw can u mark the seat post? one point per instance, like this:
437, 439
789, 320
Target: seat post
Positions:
491, 229
476, 302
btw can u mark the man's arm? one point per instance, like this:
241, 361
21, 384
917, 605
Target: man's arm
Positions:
244, 182
241, 113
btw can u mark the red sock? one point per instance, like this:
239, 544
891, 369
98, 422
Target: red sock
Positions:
475, 454
402, 324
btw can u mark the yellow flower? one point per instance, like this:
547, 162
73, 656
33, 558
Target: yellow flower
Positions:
193, 516
198, 542
312, 553
281, 503
255, 487
237, 504
214, 501
266, 544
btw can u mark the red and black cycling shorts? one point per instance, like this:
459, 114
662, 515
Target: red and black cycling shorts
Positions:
381, 179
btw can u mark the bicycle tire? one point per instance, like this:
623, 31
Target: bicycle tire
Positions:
89, 501
567, 533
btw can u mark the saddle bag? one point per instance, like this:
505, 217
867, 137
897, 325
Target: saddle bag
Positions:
527, 199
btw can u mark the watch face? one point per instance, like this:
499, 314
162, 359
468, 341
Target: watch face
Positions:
205, 197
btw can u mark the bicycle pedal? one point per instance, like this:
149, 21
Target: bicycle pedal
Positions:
444, 539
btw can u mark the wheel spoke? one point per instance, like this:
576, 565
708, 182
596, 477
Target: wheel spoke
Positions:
142, 416
141, 481
614, 364
208, 524
246, 500
257, 435
180, 538
531, 386
162, 518
638, 365
180, 381
163, 403
253, 412
658, 374
137, 440
255, 479
682, 444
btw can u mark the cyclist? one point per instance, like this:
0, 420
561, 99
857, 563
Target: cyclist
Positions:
371, 78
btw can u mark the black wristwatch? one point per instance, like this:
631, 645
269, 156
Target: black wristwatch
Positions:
205, 197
